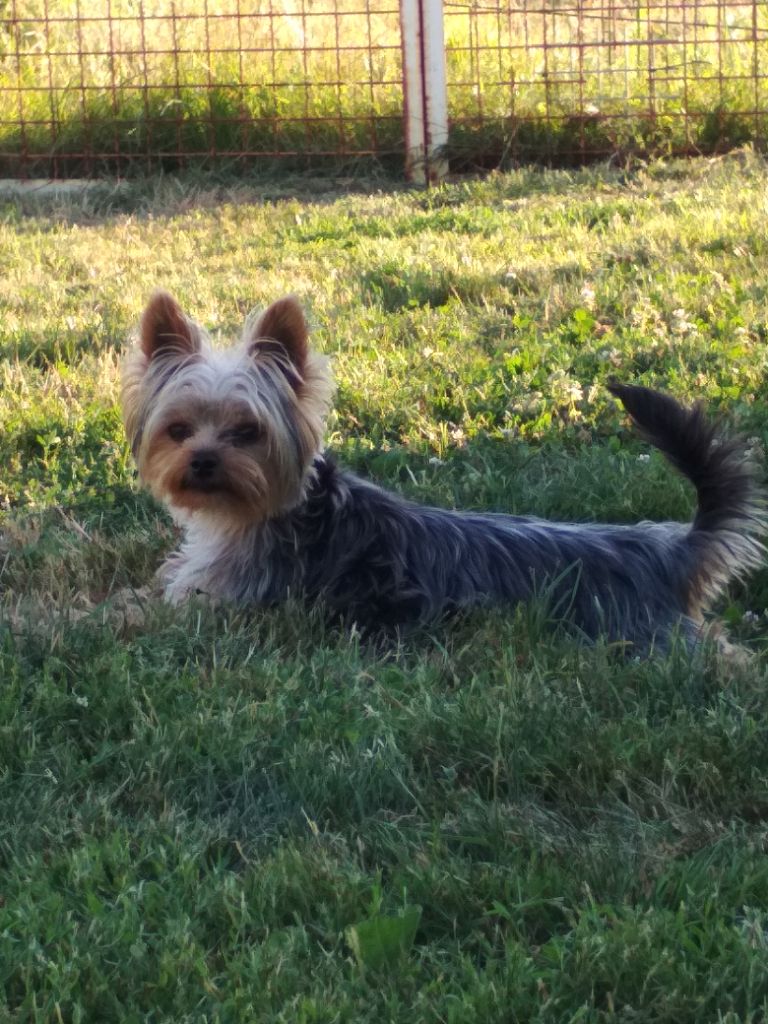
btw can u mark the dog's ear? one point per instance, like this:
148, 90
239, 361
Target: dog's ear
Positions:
283, 322
165, 328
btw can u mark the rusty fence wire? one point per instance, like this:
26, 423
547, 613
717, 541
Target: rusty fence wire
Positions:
90, 85
118, 86
573, 80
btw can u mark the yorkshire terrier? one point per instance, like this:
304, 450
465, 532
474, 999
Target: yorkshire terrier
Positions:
231, 441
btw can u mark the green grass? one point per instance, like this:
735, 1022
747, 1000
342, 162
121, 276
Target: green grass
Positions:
236, 815
87, 89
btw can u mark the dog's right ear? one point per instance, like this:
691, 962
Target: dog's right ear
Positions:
283, 322
165, 328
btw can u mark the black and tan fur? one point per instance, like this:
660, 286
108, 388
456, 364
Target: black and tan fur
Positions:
231, 441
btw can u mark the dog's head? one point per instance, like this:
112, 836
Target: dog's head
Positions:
233, 432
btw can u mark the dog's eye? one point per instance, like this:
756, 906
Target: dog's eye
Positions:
248, 433
179, 432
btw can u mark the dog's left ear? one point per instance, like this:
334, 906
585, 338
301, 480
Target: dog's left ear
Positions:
283, 322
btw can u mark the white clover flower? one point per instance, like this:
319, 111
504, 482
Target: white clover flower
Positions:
682, 324
564, 388
588, 295
609, 355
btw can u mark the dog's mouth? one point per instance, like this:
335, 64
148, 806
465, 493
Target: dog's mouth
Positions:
216, 488
221, 490
202, 486
206, 485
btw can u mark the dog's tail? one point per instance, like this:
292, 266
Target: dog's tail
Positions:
725, 537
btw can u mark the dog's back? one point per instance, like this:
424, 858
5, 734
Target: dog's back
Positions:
384, 561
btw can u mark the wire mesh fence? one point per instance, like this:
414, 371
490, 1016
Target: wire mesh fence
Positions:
88, 86
571, 80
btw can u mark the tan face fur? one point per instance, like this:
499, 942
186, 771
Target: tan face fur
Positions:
226, 433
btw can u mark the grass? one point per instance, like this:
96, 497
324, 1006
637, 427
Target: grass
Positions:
244, 815
161, 86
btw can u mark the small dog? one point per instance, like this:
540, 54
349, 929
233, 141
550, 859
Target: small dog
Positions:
230, 441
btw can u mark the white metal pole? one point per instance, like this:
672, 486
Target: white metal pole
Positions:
413, 92
435, 90
424, 89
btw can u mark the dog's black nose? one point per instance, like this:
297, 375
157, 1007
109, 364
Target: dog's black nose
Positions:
204, 463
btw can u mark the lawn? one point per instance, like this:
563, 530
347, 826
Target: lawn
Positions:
219, 815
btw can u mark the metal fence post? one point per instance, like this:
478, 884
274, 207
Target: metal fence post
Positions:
425, 99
